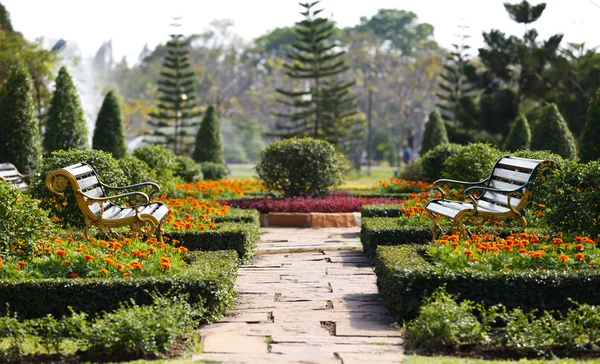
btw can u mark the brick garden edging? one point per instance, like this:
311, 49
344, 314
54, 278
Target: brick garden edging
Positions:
311, 220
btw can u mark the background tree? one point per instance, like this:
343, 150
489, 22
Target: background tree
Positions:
324, 103
20, 141
519, 136
209, 146
5, 23
109, 134
552, 133
174, 121
435, 132
65, 126
589, 147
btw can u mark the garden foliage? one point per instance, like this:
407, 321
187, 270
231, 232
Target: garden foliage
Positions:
214, 171
109, 133
187, 169
209, 143
435, 132
433, 162
161, 160
519, 136
552, 133
472, 162
307, 204
589, 148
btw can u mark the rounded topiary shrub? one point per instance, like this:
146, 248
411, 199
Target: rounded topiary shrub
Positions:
552, 133
413, 171
136, 171
187, 168
519, 137
160, 159
22, 222
589, 148
542, 190
472, 163
432, 162
435, 132
66, 209
300, 167
214, 171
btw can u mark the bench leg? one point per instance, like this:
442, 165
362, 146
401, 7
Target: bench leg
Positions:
435, 229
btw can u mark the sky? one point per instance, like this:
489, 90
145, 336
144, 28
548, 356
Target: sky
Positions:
132, 23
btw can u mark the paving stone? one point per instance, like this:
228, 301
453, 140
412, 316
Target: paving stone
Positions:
366, 328
344, 340
257, 359
361, 358
248, 317
232, 343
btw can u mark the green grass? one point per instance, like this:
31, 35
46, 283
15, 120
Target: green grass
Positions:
417, 359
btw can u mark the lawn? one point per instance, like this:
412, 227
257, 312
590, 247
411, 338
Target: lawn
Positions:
417, 359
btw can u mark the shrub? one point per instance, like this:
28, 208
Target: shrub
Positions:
160, 159
433, 161
109, 133
67, 209
589, 149
209, 146
308, 204
542, 190
214, 171
136, 171
519, 137
65, 124
472, 162
442, 322
413, 171
573, 198
377, 231
552, 133
435, 132
20, 140
187, 169
381, 210
300, 167
22, 223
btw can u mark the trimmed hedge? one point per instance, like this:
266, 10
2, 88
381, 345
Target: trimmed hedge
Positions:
377, 231
239, 215
209, 279
241, 237
381, 210
405, 278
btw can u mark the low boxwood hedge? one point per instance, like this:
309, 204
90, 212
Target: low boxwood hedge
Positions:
209, 279
239, 215
381, 210
405, 278
241, 237
377, 231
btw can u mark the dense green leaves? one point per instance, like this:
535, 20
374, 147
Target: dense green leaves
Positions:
160, 159
519, 136
65, 126
434, 161
435, 132
552, 133
109, 134
20, 140
589, 144
209, 146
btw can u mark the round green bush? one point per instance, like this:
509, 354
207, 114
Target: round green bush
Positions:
103, 163
300, 167
435, 132
136, 171
159, 158
433, 161
519, 136
413, 171
22, 222
574, 201
214, 171
187, 168
551, 132
472, 163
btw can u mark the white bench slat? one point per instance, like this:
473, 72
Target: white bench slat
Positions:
515, 176
161, 212
79, 170
503, 185
529, 164
499, 198
88, 182
442, 210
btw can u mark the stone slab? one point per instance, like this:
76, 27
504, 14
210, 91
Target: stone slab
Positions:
361, 358
366, 328
249, 317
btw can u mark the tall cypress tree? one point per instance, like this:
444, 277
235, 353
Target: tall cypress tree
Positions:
109, 134
589, 148
519, 136
175, 120
326, 103
552, 133
65, 125
209, 146
434, 133
20, 141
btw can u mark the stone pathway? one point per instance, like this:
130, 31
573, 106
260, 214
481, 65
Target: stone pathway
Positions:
308, 297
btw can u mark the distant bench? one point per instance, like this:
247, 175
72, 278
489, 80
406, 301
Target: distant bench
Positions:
501, 196
9, 173
103, 211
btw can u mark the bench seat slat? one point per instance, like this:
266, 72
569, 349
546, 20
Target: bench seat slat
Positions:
529, 164
95, 192
503, 185
9, 173
88, 182
442, 210
161, 212
499, 198
515, 176
80, 170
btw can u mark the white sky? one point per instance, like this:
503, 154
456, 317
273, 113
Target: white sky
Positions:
132, 23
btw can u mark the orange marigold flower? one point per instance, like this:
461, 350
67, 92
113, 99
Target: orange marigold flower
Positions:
22, 263
579, 256
60, 253
455, 244
88, 257
47, 250
592, 262
183, 249
579, 239
126, 275
165, 265
468, 252
103, 271
74, 275
1, 265
120, 266
578, 246
563, 257
537, 254
67, 262
79, 250
474, 259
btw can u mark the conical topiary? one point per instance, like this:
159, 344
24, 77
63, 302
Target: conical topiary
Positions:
552, 133
434, 133
65, 125
20, 141
209, 147
589, 148
519, 137
109, 134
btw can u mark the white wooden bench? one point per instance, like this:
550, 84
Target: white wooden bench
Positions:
9, 173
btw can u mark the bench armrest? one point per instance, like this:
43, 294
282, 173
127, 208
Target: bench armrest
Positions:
128, 194
155, 187
491, 189
454, 182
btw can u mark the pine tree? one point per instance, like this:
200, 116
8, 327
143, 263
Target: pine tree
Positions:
589, 148
519, 136
109, 134
175, 121
65, 124
20, 141
326, 103
5, 23
434, 133
209, 147
552, 133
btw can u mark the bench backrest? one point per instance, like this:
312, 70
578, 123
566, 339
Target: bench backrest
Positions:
519, 174
9, 173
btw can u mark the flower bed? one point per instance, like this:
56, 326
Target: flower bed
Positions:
220, 189
399, 185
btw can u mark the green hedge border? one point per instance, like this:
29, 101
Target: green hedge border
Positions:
209, 279
376, 231
241, 237
381, 210
239, 215
405, 278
